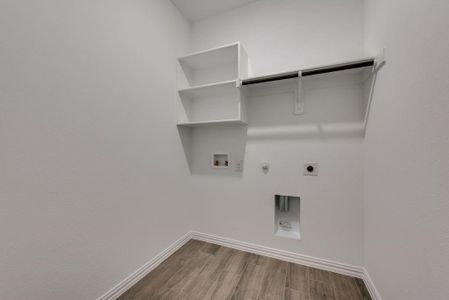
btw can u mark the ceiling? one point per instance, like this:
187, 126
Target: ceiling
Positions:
195, 10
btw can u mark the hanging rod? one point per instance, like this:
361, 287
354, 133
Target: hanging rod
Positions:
312, 71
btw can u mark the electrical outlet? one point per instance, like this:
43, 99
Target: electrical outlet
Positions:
311, 169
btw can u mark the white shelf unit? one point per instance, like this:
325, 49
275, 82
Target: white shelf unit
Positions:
208, 87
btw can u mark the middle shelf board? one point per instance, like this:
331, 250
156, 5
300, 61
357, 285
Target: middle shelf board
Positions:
208, 90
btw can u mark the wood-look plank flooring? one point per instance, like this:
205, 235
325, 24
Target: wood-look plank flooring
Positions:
201, 270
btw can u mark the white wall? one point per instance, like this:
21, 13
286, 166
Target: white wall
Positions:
288, 34
89, 151
280, 36
407, 147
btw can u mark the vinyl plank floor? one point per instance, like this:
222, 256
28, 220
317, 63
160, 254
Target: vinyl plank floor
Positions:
345, 287
319, 290
250, 283
201, 271
298, 278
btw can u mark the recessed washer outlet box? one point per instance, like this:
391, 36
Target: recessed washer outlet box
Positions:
221, 160
287, 217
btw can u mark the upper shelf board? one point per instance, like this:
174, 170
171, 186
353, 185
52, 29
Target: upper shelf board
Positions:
212, 57
354, 64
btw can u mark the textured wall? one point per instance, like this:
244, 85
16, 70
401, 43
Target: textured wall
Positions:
407, 147
89, 149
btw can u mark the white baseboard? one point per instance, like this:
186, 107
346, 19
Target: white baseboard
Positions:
375, 295
137, 275
297, 258
301, 259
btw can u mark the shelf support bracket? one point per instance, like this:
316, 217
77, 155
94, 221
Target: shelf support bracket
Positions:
379, 62
299, 101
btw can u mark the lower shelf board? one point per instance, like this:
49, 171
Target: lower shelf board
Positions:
213, 122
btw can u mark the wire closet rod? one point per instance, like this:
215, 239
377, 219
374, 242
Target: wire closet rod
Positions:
312, 71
